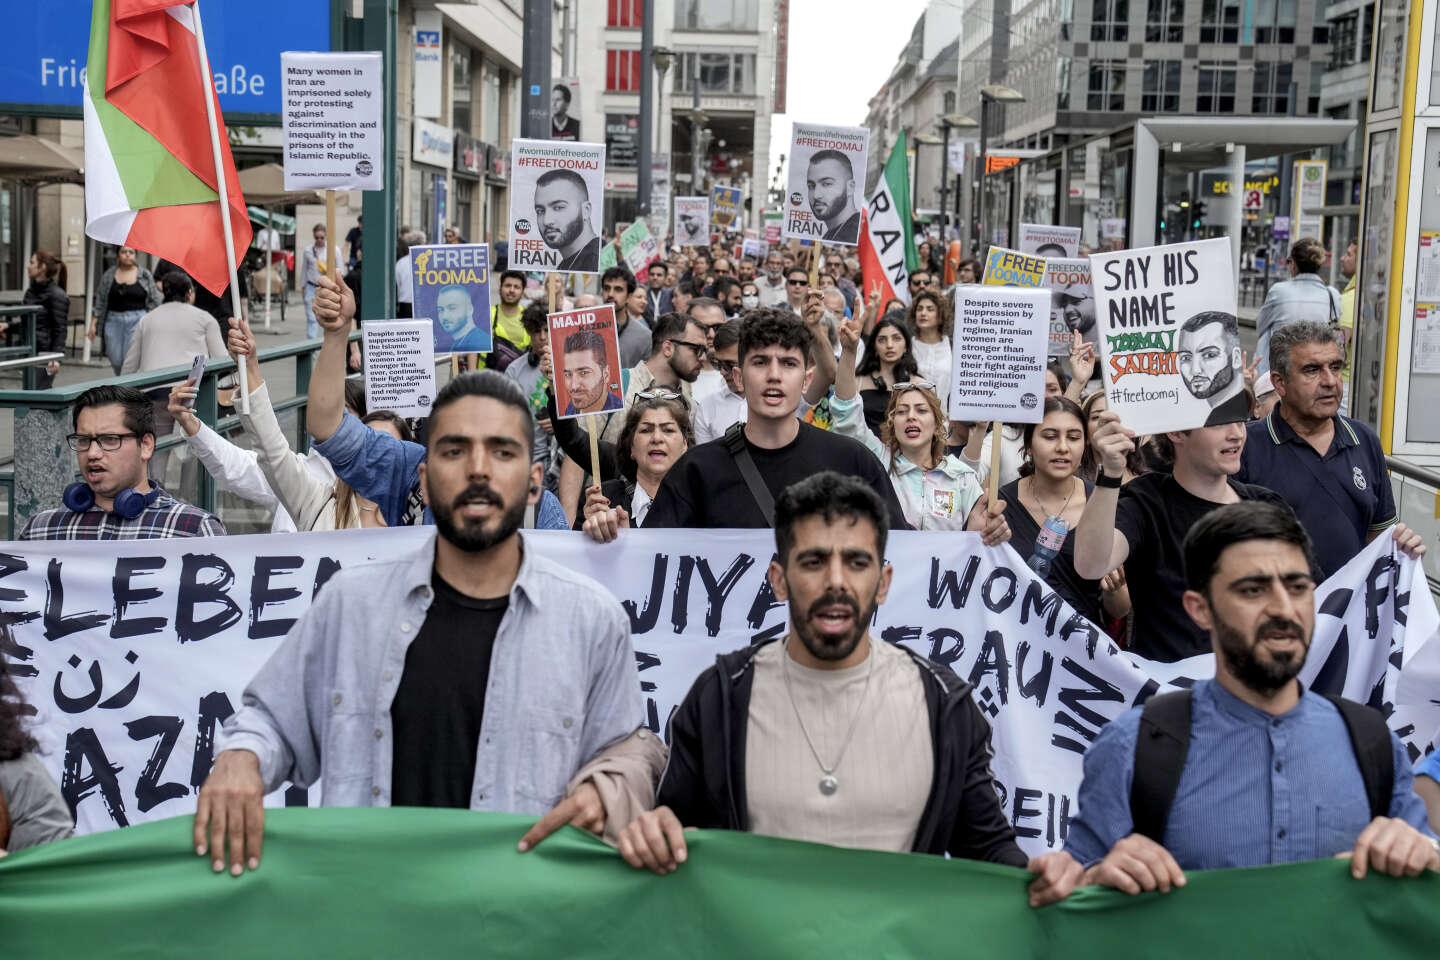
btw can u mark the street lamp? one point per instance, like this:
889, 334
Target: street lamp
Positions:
950, 120
662, 57
992, 93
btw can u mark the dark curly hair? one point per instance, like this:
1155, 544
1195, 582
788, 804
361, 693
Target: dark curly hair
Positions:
770, 327
14, 739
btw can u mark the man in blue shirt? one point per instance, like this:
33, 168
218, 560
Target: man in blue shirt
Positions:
1328, 468
1269, 774
1427, 785
378, 466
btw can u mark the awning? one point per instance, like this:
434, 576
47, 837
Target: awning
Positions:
283, 224
35, 159
264, 186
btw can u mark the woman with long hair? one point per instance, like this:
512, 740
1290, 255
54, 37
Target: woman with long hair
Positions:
1045, 504
126, 292
32, 809
887, 360
936, 491
930, 325
47, 288
1135, 464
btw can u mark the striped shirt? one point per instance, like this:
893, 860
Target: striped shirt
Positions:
165, 517
1256, 789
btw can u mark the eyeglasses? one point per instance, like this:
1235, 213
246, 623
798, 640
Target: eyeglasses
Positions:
80, 442
797, 283
700, 348
912, 385
726, 366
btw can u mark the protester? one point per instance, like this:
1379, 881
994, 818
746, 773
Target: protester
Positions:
1090, 410
354, 240
657, 297
47, 289
404, 276
930, 326
771, 283
797, 285
732, 482
729, 293
32, 809
312, 260
745, 269
936, 491
749, 296
656, 434
376, 465
887, 360
977, 452
968, 272
1143, 524
1048, 501
125, 293
533, 375
493, 691
711, 316
1329, 469
1305, 296
717, 409
918, 280
511, 338
114, 440
681, 296
616, 284
677, 351
1348, 264
904, 766
1251, 745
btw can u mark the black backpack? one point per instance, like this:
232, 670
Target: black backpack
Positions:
1164, 741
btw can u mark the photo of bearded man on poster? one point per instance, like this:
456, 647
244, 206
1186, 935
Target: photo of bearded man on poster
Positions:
830, 182
562, 212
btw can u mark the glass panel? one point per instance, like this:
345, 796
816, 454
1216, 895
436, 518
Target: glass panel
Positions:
1372, 291
1421, 424
1390, 55
490, 104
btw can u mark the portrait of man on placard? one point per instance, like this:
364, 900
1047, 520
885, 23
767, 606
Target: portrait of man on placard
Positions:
455, 314
562, 212
562, 125
1207, 352
1076, 303
587, 375
830, 183
694, 231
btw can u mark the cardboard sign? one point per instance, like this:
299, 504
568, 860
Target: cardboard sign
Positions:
1169, 340
564, 109
692, 221
1072, 303
1048, 241
999, 354
725, 207
452, 291
1011, 268
639, 247
773, 221
585, 351
753, 247
334, 139
827, 173
399, 366
557, 206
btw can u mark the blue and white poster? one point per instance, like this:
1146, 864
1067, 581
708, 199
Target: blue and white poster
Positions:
452, 291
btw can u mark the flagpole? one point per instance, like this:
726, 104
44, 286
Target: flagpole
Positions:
208, 86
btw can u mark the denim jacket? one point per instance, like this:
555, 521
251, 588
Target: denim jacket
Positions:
1306, 297
563, 685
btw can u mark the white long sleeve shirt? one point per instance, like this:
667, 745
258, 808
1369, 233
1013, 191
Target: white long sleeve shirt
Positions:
237, 471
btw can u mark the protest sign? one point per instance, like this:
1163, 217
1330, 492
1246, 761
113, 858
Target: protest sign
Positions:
564, 105
132, 651
334, 139
753, 247
451, 284
1169, 338
1072, 303
725, 207
639, 247
660, 194
827, 173
557, 206
1049, 241
1011, 268
1112, 228
999, 354
773, 221
399, 366
692, 221
585, 352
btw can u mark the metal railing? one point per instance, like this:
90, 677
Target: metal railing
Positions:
1417, 504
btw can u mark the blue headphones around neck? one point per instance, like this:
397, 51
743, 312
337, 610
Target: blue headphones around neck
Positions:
129, 503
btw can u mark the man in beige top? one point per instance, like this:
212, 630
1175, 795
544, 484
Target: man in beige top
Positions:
827, 736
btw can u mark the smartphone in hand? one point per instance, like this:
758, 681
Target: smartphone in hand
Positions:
197, 370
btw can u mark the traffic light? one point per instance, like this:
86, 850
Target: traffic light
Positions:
1199, 216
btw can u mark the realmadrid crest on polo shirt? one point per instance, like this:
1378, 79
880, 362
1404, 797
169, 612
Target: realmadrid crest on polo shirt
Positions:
1359, 479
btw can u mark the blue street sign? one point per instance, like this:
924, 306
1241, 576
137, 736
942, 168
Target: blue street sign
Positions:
534, 89
42, 63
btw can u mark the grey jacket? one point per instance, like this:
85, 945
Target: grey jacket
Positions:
101, 307
38, 813
563, 685
1306, 297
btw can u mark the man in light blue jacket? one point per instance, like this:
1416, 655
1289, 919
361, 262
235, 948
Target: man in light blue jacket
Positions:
1305, 296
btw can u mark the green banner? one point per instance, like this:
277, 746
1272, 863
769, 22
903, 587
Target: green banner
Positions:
449, 883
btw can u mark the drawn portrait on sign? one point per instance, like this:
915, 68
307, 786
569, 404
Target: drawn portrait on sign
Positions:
1207, 352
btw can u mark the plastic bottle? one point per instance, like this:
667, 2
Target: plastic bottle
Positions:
1047, 544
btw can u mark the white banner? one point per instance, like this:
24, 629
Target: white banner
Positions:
999, 353
129, 649
333, 136
399, 366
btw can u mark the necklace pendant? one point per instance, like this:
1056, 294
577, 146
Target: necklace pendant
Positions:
828, 785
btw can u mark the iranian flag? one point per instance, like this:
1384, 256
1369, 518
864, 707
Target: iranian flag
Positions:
149, 162
887, 248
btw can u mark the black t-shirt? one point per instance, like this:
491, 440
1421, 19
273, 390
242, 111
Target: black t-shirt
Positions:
1082, 594
440, 702
705, 488
1154, 515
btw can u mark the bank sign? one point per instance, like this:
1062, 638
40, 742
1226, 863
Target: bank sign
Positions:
42, 63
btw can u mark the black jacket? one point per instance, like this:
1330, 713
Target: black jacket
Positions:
704, 780
50, 325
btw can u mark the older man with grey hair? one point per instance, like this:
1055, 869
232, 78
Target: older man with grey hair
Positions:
1330, 469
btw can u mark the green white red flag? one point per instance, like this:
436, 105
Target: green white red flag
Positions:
149, 165
887, 248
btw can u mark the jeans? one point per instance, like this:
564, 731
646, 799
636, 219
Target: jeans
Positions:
312, 326
119, 328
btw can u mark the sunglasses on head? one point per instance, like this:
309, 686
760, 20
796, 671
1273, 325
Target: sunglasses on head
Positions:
912, 385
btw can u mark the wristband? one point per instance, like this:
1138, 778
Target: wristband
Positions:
1105, 480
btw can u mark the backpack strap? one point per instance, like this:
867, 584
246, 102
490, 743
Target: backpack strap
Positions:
1370, 738
1160, 750
735, 443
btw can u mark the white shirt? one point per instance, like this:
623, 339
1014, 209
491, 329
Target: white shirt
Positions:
934, 360
770, 296
639, 506
707, 383
404, 282
716, 411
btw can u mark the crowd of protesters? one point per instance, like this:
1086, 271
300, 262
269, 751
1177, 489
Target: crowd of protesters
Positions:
772, 392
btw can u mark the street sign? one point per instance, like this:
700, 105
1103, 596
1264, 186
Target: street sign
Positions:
1254, 200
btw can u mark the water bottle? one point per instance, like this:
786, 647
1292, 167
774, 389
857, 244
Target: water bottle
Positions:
1047, 545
